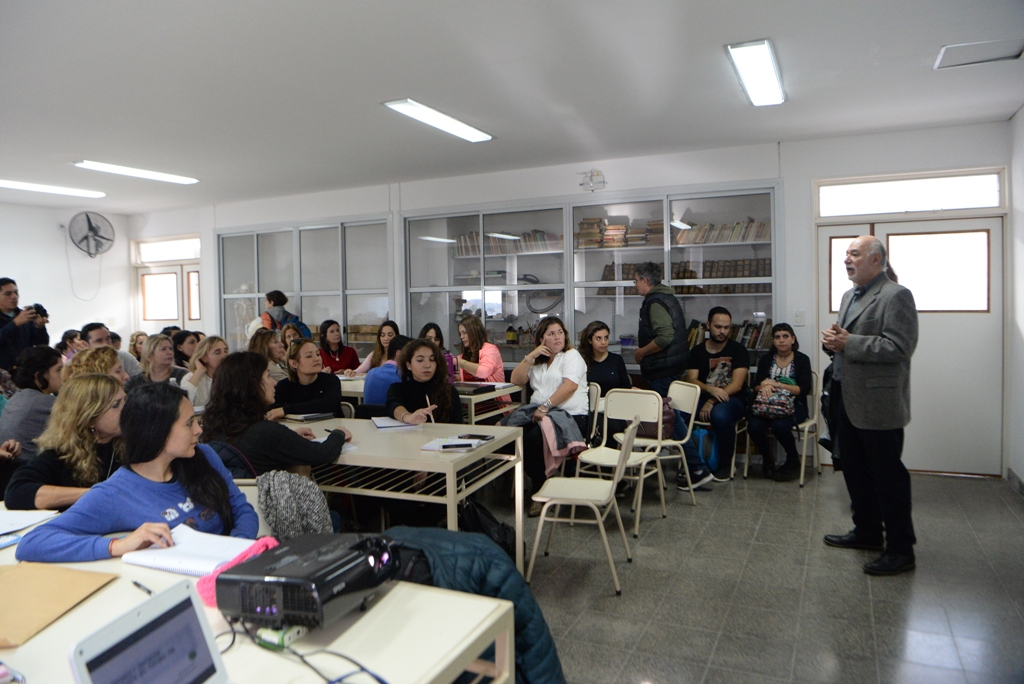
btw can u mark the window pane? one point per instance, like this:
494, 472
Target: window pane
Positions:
160, 297
276, 261
434, 307
366, 257
194, 312
238, 315
444, 251
838, 280
169, 250
238, 254
315, 310
320, 259
919, 194
365, 314
915, 258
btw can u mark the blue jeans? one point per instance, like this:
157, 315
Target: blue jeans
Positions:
723, 424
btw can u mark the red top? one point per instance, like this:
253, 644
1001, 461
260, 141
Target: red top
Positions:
343, 359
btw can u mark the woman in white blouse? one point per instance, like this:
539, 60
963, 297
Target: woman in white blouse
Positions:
558, 375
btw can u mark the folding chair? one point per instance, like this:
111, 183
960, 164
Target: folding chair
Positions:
596, 494
620, 404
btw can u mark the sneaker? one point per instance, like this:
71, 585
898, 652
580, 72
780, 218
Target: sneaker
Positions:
698, 480
721, 479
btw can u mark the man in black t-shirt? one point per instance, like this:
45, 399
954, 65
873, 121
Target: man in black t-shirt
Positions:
720, 367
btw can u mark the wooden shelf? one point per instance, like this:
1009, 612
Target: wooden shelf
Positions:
722, 244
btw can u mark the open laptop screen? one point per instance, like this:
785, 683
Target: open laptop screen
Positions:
171, 649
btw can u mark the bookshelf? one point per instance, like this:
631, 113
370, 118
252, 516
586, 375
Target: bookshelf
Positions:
506, 267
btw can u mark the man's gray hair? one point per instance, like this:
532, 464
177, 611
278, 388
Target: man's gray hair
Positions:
876, 247
649, 271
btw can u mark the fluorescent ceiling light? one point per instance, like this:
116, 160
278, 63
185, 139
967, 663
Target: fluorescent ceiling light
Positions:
680, 225
431, 238
758, 72
434, 118
503, 236
137, 173
52, 189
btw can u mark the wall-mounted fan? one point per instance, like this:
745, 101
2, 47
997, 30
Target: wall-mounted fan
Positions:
91, 233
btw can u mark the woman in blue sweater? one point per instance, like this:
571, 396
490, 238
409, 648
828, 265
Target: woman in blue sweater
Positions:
168, 480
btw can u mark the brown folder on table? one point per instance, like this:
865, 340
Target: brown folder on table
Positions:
35, 594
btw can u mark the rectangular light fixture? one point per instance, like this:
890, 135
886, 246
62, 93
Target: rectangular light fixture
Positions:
431, 238
503, 236
52, 189
680, 225
136, 173
758, 72
434, 118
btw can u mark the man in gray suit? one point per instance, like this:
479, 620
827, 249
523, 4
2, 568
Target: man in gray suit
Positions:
873, 340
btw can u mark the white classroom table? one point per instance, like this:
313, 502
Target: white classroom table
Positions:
354, 388
390, 464
411, 633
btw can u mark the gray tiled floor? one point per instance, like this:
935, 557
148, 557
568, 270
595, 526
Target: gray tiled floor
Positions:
741, 589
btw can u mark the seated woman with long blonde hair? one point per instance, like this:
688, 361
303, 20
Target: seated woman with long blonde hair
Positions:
157, 364
204, 363
96, 360
78, 448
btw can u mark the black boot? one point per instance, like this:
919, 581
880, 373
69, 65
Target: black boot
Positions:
789, 471
768, 467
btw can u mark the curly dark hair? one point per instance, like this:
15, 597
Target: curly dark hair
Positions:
236, 397
438, 389
149, 413
585, 348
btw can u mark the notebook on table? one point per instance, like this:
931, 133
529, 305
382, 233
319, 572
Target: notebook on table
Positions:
166, 640
194, 553
307, 417
474, 387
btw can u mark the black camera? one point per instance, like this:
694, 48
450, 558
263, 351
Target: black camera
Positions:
40, 310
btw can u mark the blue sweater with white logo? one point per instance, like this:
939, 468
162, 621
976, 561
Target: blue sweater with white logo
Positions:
122, 503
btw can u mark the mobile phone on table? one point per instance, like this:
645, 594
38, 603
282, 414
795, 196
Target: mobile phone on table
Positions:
482, 438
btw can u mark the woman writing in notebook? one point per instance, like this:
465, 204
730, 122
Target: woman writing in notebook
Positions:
169, 480
424, 394
307, 389
241, 394
78, 447
480, 360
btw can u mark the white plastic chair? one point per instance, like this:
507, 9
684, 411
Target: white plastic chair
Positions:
621, 404
594, 493
682, 396
594, 396
806, 429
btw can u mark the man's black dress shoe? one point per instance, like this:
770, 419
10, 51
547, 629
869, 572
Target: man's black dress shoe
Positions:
850, 540
890, 564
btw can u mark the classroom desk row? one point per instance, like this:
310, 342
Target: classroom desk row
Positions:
411, 633
353, 388
390, 464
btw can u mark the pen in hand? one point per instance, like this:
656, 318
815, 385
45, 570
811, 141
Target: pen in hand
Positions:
431, 413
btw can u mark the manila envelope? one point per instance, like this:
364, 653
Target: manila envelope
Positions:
35, 594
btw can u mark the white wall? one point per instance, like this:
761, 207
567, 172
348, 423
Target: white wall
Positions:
1014, 457
74, 288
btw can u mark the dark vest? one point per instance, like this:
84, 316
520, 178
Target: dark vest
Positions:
670, 361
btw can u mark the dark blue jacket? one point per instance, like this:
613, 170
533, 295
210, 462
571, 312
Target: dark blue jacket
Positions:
15, 338
472, 563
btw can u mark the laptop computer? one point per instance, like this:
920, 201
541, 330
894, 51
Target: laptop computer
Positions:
166, 640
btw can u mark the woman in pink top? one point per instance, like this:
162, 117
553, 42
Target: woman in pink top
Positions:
480, 360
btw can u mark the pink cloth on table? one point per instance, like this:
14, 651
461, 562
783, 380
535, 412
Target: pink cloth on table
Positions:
553, 457
207, 586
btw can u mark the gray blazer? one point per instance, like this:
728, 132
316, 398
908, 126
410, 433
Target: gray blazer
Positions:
876, 362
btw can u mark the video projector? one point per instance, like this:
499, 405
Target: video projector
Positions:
311, 580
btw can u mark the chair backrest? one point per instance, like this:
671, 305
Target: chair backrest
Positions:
366, 411
684, 396
627, 448
594, 396
624, 404
347, 410
249, 490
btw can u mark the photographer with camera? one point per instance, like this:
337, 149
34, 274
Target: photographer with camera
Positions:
19, 328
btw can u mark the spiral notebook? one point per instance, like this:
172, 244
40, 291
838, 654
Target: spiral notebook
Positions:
194, 553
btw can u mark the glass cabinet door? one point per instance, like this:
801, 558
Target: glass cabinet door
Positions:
610, 239
721, 255
444, 252
616, 309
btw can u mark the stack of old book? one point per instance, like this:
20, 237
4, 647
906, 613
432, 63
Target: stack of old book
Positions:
591, 231
636, 235
614, 236
656, 233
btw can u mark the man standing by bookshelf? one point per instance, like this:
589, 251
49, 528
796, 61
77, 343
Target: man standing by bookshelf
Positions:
719, 367
873, 340
662, 343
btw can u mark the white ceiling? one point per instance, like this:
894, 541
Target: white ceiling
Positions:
260, 98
